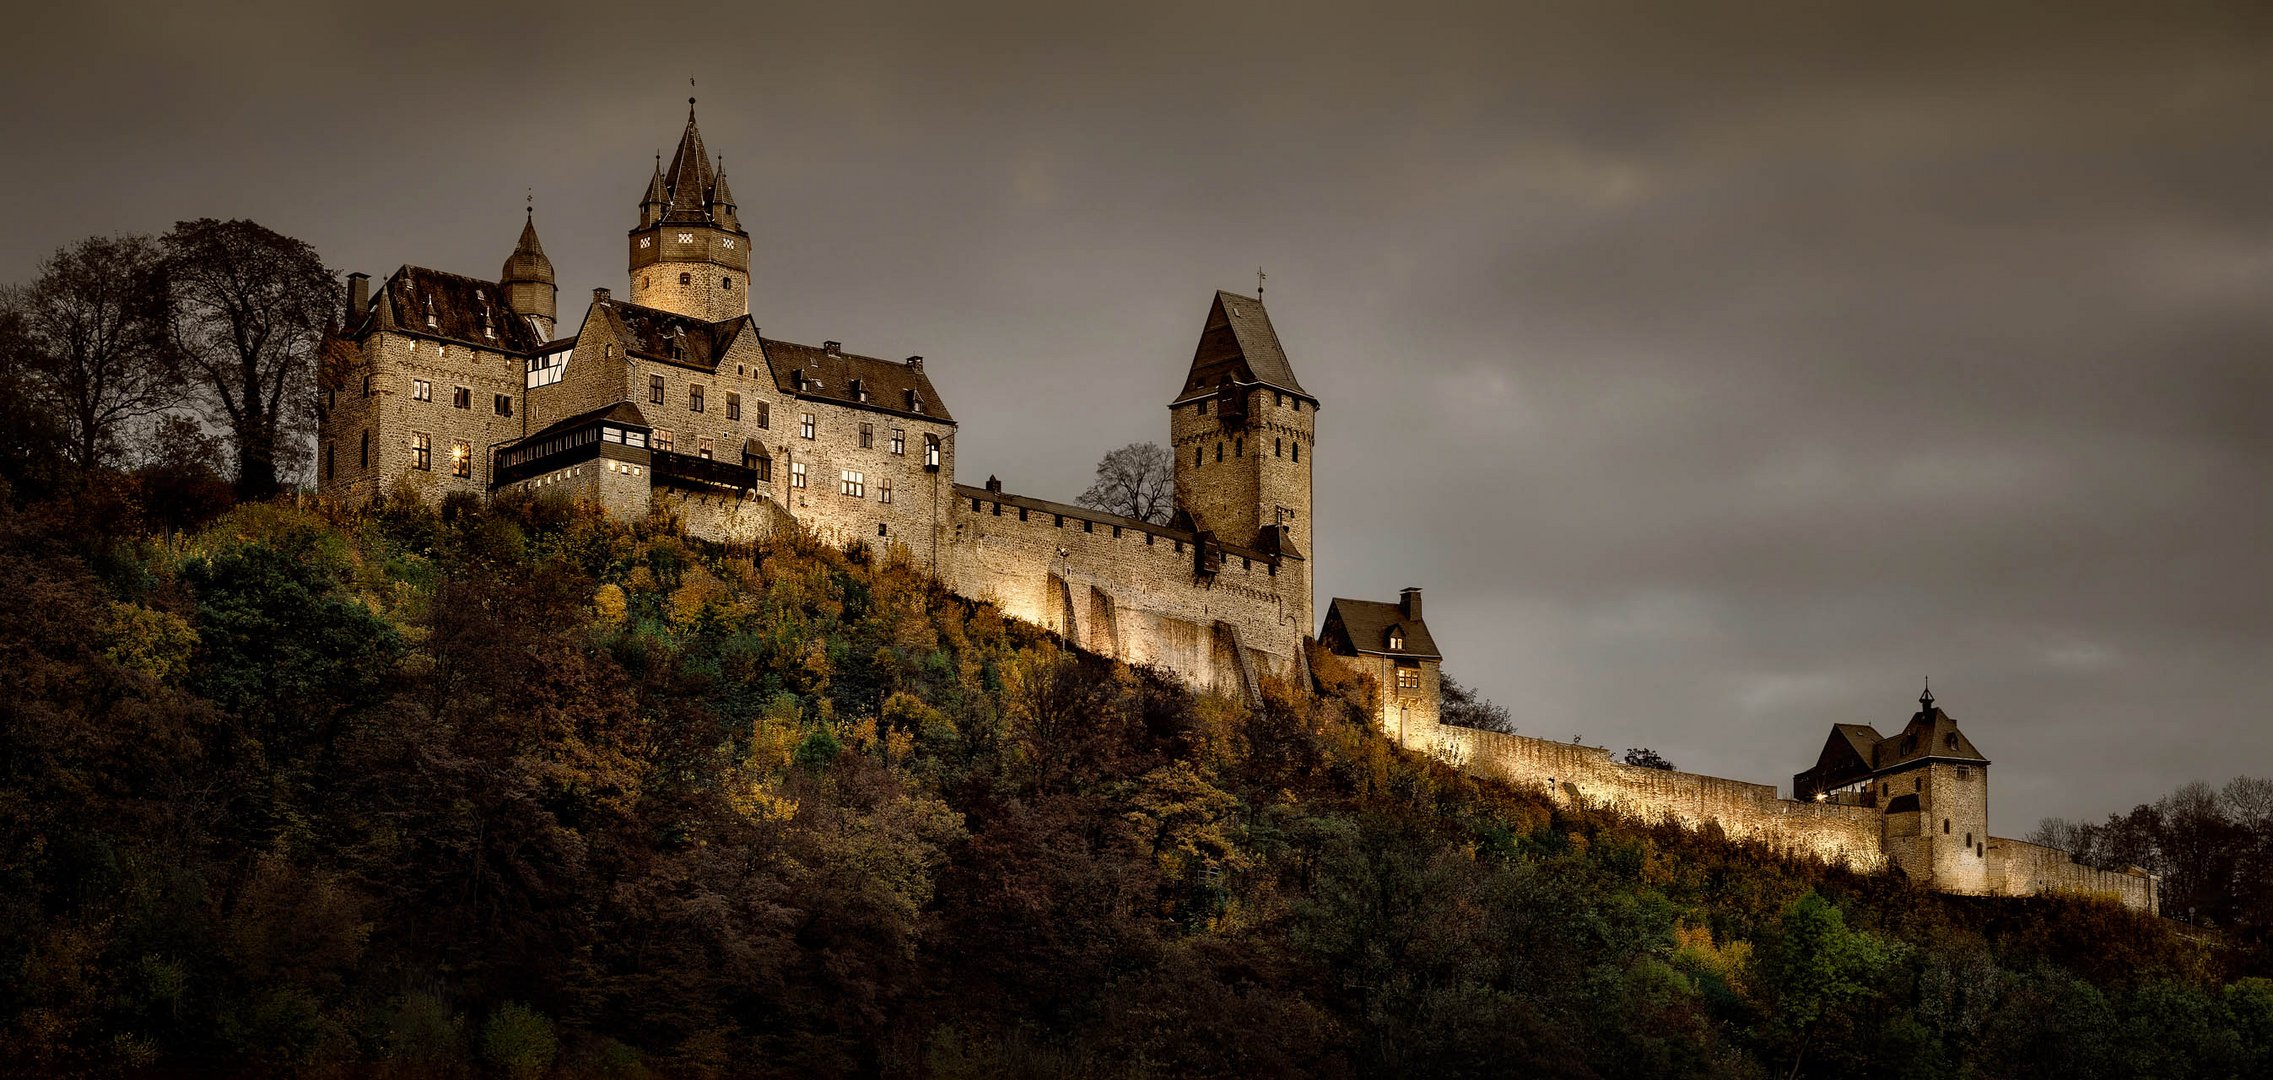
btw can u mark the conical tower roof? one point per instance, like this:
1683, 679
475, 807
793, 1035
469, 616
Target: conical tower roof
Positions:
722, 195
687, 185
528, 262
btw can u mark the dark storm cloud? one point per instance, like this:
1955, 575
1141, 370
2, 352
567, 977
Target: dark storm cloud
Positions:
1721, 370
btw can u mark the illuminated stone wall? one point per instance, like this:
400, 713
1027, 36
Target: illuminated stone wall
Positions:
2019, 868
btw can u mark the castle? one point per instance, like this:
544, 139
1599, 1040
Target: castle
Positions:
675, 400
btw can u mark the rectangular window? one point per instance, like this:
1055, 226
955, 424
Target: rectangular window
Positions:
797, 475
702, 447
1408, 678
461, 397
852, 483
655, 389
765, 415
421, 451
867, 435
461, 458
805, 425
503, 404
1276, 444
733, 406
662, 439
1965, 772
694, 397
366, 386
1297, 453
900, 440
363, 452
884, 491
764, 466
421, 390
931, 452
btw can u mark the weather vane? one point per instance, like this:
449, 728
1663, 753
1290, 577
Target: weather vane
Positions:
1258, 283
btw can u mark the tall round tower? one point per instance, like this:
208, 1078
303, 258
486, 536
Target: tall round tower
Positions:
689, 254
528, 282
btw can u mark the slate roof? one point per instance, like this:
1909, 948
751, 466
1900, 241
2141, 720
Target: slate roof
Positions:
888, 383
1857, 752
1237, 343
667, 336
1929, 734
528, 262
1362, 626
452, 307
622, 412
687, 185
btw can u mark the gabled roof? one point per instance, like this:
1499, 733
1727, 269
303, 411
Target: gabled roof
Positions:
687, 185
667, 336
622, 412
1355, 627
1845, 759
452, 307
827, 375
1929, 734
1237, 344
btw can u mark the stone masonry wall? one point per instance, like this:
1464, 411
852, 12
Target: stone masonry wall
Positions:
393, 416
1135, 596
2019, 868
1571, 773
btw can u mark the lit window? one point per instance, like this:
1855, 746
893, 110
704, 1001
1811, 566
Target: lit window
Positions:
462, 397
662, 439
421, 451
461, 458
867, 436
694, 397
702, 447
900, 440
805, 425
1408, 678
931, 452
733, 406
655, 389
503, 404
797, 475
884, 491
1396, 638
421, 390
852, 483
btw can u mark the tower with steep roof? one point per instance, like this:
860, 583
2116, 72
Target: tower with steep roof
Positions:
527, 281
689, 253
1241, 431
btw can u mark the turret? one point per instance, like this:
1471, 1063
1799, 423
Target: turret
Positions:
689, 254
528, 281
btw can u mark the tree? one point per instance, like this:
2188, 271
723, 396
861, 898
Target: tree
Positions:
1812, 968
251, 306
1137, 480
30, 439
1464, 707
1648, 759
95, 330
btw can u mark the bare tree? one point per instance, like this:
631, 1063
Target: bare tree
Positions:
96, 337
250, 310
1137, 480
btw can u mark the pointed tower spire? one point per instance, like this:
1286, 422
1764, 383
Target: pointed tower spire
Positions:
722, 200
527, 279
687, 185
651, 203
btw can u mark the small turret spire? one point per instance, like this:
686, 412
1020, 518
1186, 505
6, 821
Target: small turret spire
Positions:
1926, 699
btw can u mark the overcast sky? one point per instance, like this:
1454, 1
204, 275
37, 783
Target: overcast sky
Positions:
1720, 374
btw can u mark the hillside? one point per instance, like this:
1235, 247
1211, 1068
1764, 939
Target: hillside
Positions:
520, 791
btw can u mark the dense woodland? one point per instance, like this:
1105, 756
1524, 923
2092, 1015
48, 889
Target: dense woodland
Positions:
518, 791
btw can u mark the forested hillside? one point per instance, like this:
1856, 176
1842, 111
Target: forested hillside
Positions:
519, 791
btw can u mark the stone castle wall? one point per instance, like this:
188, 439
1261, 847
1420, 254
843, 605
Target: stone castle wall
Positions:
1127, 590
2019, 868
392, 416
1571, 773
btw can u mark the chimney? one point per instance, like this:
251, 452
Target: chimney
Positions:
599, 294
832, 347
358, 297
915, 363
1410, 600
994, 484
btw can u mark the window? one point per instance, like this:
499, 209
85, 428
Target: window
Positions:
1219, 451
421, 390
900, 441
1277, 398
805, 425
1968, 839
461, 397
363, 455
366, 386
702, 448
694, 397
1198, 457
1408, 678
1945, 826
726, 283
1965, 772
764, 466
503, 404
797, 475
662, 439
733, 406
931, 452
331, 461
1275, 444
461, 458
421, 451
1203, 406
655, 389
867, 435
1950, 740
1238, 448
686, 279
765, 415
1297, 452
852, 483
1396, 638
884, 491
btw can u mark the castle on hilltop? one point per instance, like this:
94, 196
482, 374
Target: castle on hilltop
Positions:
675, 400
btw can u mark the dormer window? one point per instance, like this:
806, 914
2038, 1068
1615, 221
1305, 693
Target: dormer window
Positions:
1396, 639
859, 392
1950, 740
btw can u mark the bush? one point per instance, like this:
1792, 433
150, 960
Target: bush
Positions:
518, 1041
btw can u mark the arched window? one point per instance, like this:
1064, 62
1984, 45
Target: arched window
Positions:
1396, 638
